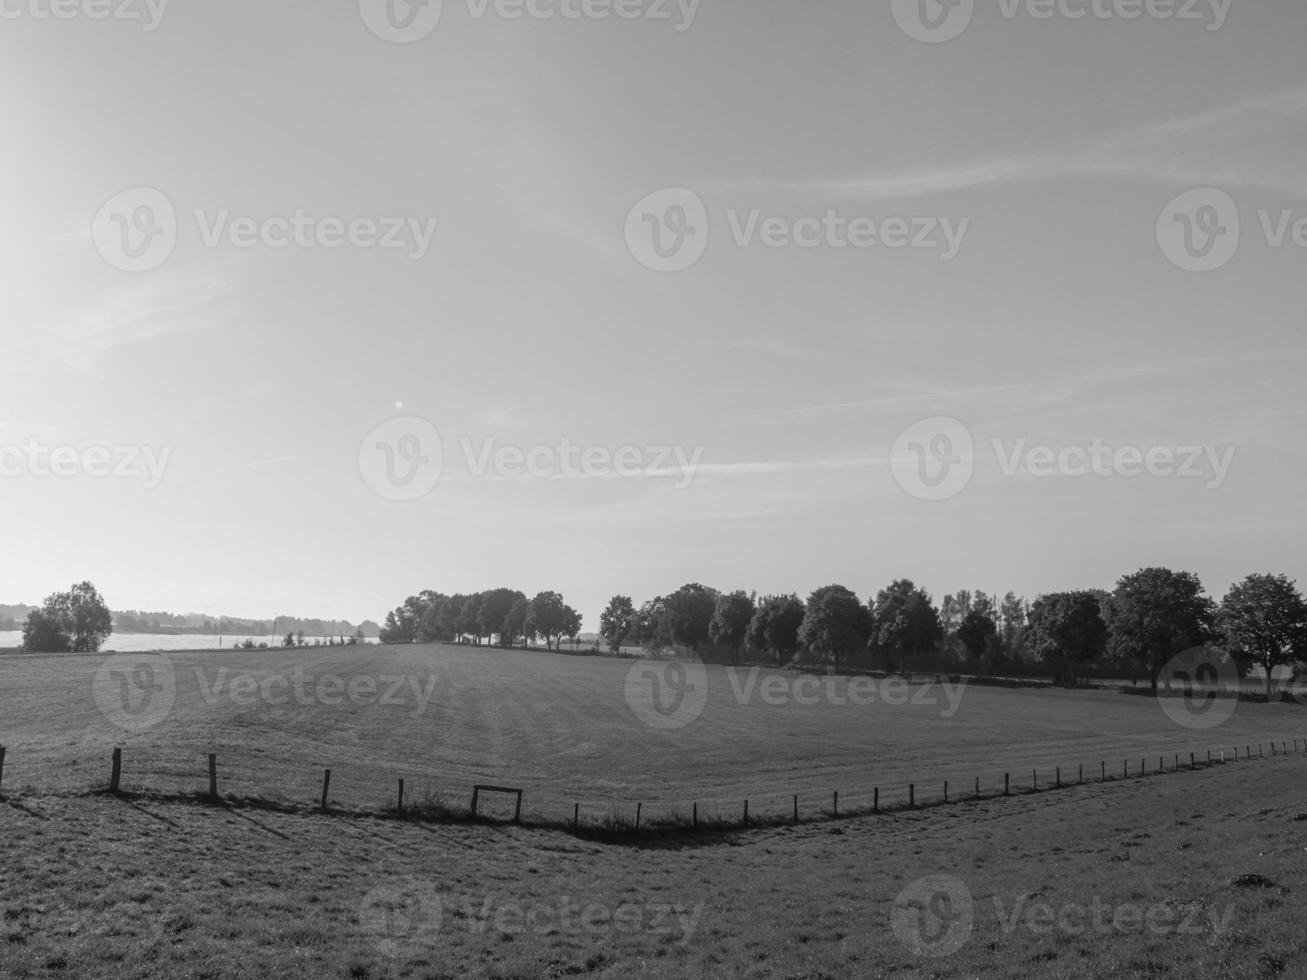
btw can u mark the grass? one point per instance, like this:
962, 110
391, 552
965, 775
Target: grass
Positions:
561, 728
97, 886
162, 882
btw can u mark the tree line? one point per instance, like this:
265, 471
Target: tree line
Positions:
503, 615
1148, 619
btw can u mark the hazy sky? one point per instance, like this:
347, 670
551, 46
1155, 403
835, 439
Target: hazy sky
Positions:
1059, 312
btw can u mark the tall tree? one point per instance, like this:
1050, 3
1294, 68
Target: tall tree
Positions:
836, 624
1156, 614
617, 621
515, 624
552, 618
77, 620
730, 621
775, 627
689, 611
492, 615
1263, 621
1067, 630
976, 633
905, 623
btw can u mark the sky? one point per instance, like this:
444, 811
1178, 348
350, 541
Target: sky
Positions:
320, 305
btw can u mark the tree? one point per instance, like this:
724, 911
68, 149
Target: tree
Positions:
689, 612
1067, 630
468, 622
492, 614
515, 622
552, 618
77, 620
1263, 621
730, 622
905, 624
835, 624
775, 627
976, 632
1012, 625
1156, 614
617, 621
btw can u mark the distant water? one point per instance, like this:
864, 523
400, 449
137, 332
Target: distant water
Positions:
137, 642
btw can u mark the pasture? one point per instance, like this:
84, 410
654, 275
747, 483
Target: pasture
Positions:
571, 729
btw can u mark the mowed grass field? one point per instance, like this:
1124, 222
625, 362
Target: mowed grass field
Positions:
1193, 875
566, 730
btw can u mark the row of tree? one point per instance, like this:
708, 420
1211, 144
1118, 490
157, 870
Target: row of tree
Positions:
503, 615
1151, 617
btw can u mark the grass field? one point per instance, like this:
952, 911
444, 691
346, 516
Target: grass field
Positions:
572, 729
1187, 874
1192, 875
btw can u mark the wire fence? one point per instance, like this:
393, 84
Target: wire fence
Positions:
247, 778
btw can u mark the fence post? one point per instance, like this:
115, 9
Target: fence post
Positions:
213, 776
638, 808
946, 791
1125, 768
1191, 760
399, 809
2, 766
1059, 777
1007, 784
977, 787
695, 817
576, 817
1081, 779
875, 801
326, 785
746, 813
912, 794
1161, 766
1209, 757
517, 810
1103, 766
836, 811
796, 807
1034, 779
117, 770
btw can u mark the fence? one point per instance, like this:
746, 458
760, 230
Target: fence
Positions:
206, 779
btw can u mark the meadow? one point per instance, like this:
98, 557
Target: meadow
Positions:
570, 729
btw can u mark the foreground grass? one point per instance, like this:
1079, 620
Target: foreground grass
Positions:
94, 886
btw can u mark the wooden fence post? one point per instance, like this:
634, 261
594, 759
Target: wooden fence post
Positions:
746, 813
326, 785
117, 770
912, 794
399, 808
1191, 760
796, 808
2, 766
1034, 779
875, 800
1081, 779
1058, 782
696, 815
946, 791
639, 808
576, 817
1007, 784
977, 787
836, 810
1103, 766
213, 776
